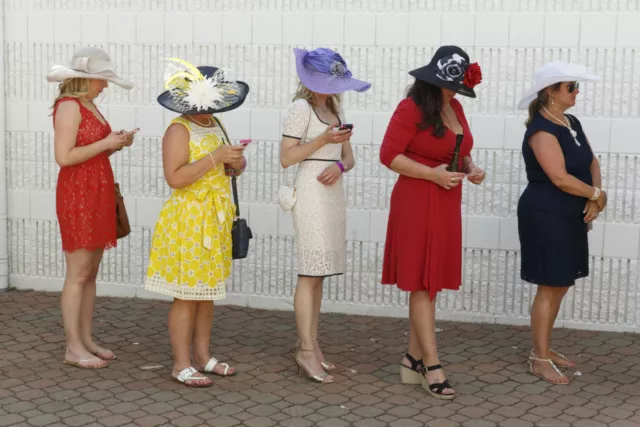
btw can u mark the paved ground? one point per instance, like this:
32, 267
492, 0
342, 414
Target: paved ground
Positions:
485, 362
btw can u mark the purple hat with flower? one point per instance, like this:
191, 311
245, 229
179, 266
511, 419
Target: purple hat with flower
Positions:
324, 71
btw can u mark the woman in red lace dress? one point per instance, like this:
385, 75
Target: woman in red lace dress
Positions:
423, 251
85, 195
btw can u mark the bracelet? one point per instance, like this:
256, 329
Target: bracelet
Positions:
212, 160
596, 194
341, 166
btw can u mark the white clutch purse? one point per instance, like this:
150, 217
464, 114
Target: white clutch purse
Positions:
287, 197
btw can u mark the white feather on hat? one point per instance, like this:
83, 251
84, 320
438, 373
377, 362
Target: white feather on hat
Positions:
555, 72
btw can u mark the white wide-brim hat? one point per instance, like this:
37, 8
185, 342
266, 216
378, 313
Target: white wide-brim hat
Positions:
88, 63
555, 72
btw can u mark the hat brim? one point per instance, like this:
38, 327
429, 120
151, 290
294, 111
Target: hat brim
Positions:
428, 75
61, 73
166, 100
532, 93
324, 83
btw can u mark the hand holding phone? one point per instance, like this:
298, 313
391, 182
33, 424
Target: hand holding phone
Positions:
128, 135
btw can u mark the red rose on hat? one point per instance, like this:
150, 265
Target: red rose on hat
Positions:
473, 75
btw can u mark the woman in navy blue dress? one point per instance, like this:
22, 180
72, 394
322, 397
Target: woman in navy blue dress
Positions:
555, 211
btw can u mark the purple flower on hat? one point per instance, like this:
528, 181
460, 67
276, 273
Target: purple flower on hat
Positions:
324, 71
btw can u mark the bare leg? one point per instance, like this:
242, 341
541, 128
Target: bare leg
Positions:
202, 338
87, 308
80, 264
181, 325
422, 315
317, 302
556, 303
414, 349
304, 307
542, 319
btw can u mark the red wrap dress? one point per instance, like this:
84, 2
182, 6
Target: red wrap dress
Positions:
423, 250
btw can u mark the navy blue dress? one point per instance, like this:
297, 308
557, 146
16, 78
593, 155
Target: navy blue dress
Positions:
553, 234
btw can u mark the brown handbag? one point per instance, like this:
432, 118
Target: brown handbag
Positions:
123, 229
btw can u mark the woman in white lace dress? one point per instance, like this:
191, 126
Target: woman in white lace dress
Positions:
323, 153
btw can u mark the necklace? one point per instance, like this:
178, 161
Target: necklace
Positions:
566, 124
324, 109
208, 124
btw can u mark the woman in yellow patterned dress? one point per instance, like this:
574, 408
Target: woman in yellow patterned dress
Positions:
191, 252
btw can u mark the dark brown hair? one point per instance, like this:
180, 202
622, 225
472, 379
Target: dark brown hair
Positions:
429, 99
541, 100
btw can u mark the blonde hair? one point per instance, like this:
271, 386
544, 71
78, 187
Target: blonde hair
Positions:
333, 102
76, 87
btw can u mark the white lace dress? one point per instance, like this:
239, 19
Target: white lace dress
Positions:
319, 215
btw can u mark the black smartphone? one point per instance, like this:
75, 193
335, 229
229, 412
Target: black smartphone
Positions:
345, 126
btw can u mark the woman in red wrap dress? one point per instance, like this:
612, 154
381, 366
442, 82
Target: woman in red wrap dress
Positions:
423, 252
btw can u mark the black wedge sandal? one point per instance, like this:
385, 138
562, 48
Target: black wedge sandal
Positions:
437, 389
412, 374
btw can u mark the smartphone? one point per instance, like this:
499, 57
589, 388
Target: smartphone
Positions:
245, 142
344, 126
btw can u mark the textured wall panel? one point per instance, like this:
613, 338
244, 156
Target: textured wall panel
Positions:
382, 40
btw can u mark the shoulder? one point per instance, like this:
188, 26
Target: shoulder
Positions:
180, 122
540, 123
179, 128
67, 109
299, 106
67, 105
408, 107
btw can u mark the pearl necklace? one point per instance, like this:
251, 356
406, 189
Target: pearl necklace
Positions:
573, 133
208, 124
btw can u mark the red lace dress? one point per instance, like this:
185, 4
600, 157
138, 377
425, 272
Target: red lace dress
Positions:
85, 196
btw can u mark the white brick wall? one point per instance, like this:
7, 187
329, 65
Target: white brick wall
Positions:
381, 40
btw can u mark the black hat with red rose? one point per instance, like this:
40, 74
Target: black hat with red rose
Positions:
451, 69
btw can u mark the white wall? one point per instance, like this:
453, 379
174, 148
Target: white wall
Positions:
381, 41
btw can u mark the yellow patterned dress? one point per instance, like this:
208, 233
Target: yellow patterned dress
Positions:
191, 250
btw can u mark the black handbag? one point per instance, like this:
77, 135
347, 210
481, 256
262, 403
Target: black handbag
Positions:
240, 231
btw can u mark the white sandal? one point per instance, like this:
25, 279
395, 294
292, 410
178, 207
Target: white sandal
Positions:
212, 364
533, 359
571, 363
192, 374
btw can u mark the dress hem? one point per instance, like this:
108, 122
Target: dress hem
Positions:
554, 285
91, 248
320, 275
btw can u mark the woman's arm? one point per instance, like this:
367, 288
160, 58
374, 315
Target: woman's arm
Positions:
293, 152
66, 125
178, 172
549, 154
348, 159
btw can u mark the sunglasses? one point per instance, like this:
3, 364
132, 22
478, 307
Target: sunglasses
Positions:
573, 86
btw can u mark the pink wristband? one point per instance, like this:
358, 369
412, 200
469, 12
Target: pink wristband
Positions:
341, 166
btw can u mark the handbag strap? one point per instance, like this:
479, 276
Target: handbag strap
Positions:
303, 139
234, 185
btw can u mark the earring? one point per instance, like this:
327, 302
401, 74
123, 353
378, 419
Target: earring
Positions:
553, 100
